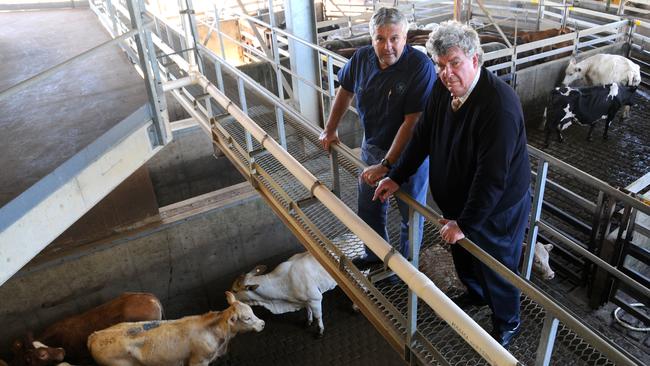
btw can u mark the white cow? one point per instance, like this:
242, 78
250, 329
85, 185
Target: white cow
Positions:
603, 69
192, 340
295, 284
541, 265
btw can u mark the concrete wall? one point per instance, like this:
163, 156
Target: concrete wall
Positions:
186, 168
187, 261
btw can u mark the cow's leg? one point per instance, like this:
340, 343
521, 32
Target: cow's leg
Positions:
607, 123
560, 138
626, 111
317, 309
591, 131
547, 136
310, 316
198, 361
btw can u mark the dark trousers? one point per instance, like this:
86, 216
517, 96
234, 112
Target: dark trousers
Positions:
501, 236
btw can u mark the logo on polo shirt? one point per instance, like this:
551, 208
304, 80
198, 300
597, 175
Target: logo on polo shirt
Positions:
400, 87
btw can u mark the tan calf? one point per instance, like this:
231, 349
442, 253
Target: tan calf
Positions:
192, 340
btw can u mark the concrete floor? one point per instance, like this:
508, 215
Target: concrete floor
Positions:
46, 124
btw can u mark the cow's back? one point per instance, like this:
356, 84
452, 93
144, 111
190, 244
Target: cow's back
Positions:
603, 69
72, 333
306, 270
154, 342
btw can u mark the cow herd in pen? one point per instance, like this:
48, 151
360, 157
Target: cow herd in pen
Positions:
129, 329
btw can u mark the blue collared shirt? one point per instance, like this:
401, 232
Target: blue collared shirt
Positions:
384, 97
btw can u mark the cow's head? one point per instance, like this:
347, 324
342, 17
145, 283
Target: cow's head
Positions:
573, 72
241, 317
245, 285
541, 261
29, 352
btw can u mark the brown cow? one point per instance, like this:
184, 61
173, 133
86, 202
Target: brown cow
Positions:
192, 340
28, 352
72, 333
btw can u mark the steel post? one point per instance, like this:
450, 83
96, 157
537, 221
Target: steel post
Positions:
151, 73
536, 214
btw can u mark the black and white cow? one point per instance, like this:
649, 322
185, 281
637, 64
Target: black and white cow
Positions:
586, 106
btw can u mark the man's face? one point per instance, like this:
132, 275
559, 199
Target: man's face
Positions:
457, 71
388, 41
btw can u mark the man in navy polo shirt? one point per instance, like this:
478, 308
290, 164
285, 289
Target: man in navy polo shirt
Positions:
391, 82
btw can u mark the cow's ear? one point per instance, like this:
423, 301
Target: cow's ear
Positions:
230, 297
252, 287
572, 61
548, 247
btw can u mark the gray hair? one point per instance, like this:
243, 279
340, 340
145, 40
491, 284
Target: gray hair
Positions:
452, 34
385, 16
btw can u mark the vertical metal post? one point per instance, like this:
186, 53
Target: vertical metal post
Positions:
334, 165
218, 25
469, 10
170, 38
244, 108
279, 114
187, 40
621, 8
414, 257
330, 89
112, 15
151, 73
546, 341
191, 18
540, 13
576, 42
564, 14
217, 70
536, 213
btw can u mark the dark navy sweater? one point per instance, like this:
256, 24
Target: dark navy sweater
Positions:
478, 160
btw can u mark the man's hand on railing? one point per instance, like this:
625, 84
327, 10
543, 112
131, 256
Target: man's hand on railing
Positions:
327, 138
385, 189
450, 232
372, 174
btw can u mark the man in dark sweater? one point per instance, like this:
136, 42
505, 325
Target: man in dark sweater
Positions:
472, 131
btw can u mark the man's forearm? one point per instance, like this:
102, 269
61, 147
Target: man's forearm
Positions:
402, 137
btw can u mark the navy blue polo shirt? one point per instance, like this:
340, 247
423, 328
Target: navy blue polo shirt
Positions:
384, 97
